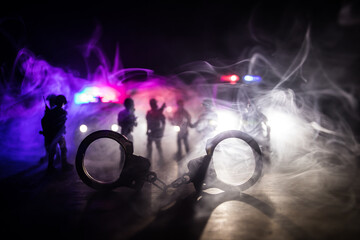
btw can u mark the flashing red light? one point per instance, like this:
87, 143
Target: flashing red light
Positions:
230, 78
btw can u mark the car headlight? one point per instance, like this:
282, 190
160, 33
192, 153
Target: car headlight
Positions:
83, 128
213, 123
115, 127
177, 128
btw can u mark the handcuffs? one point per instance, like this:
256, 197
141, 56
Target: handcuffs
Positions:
136, 169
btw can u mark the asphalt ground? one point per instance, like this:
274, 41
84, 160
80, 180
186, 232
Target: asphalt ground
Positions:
37, 204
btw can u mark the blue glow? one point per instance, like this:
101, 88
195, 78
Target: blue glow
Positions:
96, 94
252, 78
81, 98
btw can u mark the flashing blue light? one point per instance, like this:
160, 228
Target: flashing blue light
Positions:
252, 78
81, 98
97, 94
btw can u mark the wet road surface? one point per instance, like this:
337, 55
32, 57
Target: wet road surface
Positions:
35, 204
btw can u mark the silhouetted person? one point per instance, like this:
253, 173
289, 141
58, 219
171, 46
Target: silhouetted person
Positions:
155, 128
255, 123
182, 120
207, 122
127, 119
53, 124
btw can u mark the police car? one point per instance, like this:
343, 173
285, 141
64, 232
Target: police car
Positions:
235, 105
95, 108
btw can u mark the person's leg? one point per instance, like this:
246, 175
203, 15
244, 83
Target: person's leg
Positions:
186, 143
44, 158
130, 137
62, 143
179, 152
51, 149
159, 148
149, 148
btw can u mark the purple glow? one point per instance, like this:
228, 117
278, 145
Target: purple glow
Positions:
23, 110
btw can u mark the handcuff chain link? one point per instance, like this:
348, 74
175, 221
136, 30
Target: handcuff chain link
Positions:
153, 179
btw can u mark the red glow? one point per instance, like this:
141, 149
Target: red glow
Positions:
169, 109
230, 78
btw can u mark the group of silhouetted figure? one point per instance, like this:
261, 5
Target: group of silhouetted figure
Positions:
156, 122
55, 116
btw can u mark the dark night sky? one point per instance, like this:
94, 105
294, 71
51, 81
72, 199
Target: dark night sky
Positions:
162, 36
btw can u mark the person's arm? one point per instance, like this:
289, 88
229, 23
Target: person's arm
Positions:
62, 120
43, 125
66, 117
188, 119
147, 123
163, 122
134, 120
194, 125
162, 107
